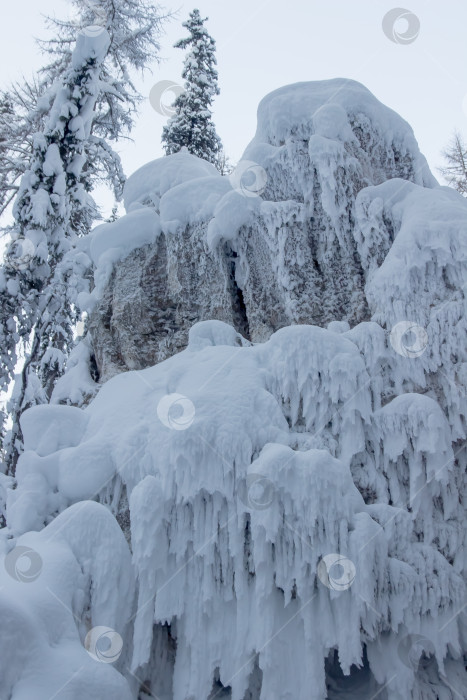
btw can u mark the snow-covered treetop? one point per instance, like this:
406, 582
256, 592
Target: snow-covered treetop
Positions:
192, 125
133, 26
93, 42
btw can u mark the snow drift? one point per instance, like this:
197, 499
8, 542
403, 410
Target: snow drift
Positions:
290, 481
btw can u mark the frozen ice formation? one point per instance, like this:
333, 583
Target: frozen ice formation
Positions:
271, 504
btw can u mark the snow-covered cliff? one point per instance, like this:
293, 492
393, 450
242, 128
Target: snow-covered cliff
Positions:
276, 510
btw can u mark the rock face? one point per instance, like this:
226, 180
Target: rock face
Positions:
273, 245
154, 297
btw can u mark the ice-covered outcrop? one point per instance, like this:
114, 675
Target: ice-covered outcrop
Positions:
291, 480
277, 242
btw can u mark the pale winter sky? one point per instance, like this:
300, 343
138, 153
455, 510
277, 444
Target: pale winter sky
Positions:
265, 44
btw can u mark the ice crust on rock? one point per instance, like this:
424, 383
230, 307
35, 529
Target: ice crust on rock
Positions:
287, 467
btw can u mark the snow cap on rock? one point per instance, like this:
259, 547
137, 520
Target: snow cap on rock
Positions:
149, 183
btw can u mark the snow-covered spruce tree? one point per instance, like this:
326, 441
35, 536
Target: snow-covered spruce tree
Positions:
41, 277
455, 170
191, 125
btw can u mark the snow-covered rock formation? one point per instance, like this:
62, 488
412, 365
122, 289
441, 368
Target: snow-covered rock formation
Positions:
291, 480
256, 262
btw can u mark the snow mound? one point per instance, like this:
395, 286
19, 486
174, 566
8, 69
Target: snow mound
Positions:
192, 202
208, 333
325, 104
120, 237
239, 472
149, 183
334, 110
57, 586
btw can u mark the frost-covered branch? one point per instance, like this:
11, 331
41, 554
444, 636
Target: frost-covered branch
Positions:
455, 170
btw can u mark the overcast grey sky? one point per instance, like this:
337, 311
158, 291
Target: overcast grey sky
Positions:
265, 44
